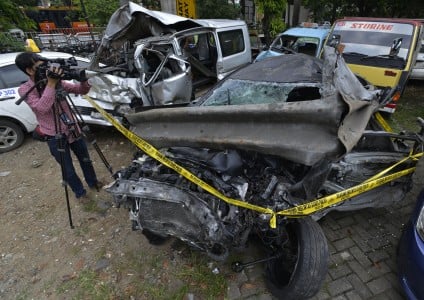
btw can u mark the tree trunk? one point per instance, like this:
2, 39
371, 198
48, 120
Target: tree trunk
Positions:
296, 12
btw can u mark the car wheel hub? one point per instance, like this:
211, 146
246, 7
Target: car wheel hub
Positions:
7, 137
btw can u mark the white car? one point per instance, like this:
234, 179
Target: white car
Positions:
418, 70
17, 120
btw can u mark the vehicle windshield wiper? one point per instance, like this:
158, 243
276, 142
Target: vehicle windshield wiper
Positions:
282, 49
385, 56
354, 54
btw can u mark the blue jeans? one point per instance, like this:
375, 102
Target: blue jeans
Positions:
80, 150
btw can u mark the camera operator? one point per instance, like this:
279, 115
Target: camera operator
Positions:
42, 97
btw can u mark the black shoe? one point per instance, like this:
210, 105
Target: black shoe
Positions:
98, 185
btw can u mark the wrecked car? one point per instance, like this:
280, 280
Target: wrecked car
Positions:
158, 58
263, 155
307, 38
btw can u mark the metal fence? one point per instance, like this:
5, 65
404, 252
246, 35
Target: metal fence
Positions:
68, 40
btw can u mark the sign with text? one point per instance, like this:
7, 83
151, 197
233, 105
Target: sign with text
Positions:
186, 8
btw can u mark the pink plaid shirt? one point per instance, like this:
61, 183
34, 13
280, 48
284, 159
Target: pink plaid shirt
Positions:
43, 106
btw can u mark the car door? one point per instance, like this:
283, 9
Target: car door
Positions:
10, 80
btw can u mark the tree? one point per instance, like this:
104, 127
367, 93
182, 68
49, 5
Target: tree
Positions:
11, 16
272, 22
296, 12
99, 11
217, 9
330, 10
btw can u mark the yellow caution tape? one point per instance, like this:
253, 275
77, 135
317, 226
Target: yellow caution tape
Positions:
294, 212
382, 122
325, 202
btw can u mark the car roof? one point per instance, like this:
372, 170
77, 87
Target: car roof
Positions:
320, 33
291, 68
371, 19
8, 58
219, 23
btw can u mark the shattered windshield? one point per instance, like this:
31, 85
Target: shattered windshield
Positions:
299, 44
240, 92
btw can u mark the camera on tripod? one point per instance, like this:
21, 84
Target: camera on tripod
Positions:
66, 65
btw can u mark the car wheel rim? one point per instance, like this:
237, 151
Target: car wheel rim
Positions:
8, 137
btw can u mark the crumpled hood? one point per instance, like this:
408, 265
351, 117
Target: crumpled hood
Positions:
132, 22
304, 131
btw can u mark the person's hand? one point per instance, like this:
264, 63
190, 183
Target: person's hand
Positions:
54, 74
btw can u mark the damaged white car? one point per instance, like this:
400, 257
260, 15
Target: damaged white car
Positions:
271, 149
157, 58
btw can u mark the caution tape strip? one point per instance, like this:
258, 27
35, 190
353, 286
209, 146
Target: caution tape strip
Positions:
294, 212
383, 123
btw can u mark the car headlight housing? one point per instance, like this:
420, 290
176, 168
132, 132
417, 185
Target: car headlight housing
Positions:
420, 224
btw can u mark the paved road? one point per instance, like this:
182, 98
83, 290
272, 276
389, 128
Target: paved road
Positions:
362, 265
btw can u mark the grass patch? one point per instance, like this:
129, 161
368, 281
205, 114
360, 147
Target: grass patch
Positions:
87, 285
201, 279
409, 107
92, 207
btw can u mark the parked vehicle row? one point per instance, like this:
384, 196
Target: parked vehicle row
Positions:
384, 52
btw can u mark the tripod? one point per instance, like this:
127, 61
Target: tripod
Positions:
67, 118
75, 125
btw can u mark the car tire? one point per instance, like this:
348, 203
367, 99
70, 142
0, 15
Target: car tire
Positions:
11, 136
302, 278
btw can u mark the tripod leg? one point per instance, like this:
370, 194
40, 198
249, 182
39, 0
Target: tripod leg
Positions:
60, 142
101, 155
87, 133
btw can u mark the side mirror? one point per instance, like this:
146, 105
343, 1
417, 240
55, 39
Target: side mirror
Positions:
394, 49
334, 41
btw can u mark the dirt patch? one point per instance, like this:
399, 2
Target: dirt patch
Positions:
43, 258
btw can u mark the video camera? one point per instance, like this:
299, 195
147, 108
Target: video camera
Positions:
43, 70
66, 65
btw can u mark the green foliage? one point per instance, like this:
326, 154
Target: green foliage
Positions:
99, 11
89, 285
12, 16
151, 4
216, 9
272, 22
201, 278
10, 44
409, 107
330, 10
26, 2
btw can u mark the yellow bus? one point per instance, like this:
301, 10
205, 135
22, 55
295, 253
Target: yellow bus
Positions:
380, 50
